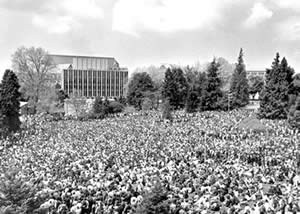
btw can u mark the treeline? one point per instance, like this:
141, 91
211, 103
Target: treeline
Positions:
190, 89
193, 90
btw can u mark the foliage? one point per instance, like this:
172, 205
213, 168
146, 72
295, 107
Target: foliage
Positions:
192, 100
294, 114
152, 98
52, 101
33, 66
213, 87
226, 71
175, 87
78, 103
102, 108
276, 93
256, 84
140, 83
154, 201
115, 107
166, 110
147, 104
239, 84
17, 195
9, 103
98, 106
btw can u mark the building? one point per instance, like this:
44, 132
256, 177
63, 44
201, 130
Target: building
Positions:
260, 73
91, 76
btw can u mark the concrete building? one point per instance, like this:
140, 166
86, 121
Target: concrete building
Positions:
91, 76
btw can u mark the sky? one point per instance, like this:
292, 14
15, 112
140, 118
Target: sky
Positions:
145, 32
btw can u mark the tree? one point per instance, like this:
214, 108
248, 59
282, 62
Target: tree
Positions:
201, 88
256, 84
192, 100
278, 88
175, 87
18, 195
239, 84
78, 103
9, 103
33, 66
213, 87
140, 83
226, 71
294, 114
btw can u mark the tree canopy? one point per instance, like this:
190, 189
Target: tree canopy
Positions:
279, 86
33, 67
239, 87
9, 103
138, 85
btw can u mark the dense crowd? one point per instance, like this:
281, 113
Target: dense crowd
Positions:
204, 163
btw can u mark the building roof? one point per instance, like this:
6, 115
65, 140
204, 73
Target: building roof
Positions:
81, 56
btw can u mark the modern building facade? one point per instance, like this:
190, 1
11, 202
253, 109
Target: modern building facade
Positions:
91, 76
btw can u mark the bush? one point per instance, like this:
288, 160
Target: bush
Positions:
154, 201
115, 107
17, 195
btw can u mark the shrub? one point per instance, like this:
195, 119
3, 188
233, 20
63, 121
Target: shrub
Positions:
17, 195
115, 107
154, 201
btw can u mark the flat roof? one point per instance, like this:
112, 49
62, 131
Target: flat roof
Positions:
82, 56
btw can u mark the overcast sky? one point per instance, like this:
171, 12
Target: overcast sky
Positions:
144, 32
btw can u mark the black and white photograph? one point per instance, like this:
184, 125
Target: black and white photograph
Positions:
150, 107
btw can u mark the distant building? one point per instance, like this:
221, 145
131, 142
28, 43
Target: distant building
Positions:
260, 73
91, 76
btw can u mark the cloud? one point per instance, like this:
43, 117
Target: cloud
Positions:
288, 4
289, 30
63, 15
54, 24
259, 13
133, 16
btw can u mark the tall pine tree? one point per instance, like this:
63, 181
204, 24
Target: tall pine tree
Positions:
175, 87
275, 95
213, 87
9, 103
239, 84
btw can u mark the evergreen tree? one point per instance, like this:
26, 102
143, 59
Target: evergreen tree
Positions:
192, 100
16, 194
294, 114
213, 87
201, 88
239, 84
175, 87
278, 88
9, 103
140, 83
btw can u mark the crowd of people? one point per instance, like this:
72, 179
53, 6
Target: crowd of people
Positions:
204, 163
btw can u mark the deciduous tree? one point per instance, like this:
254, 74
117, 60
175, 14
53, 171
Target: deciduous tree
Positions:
33, 67
139, 84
